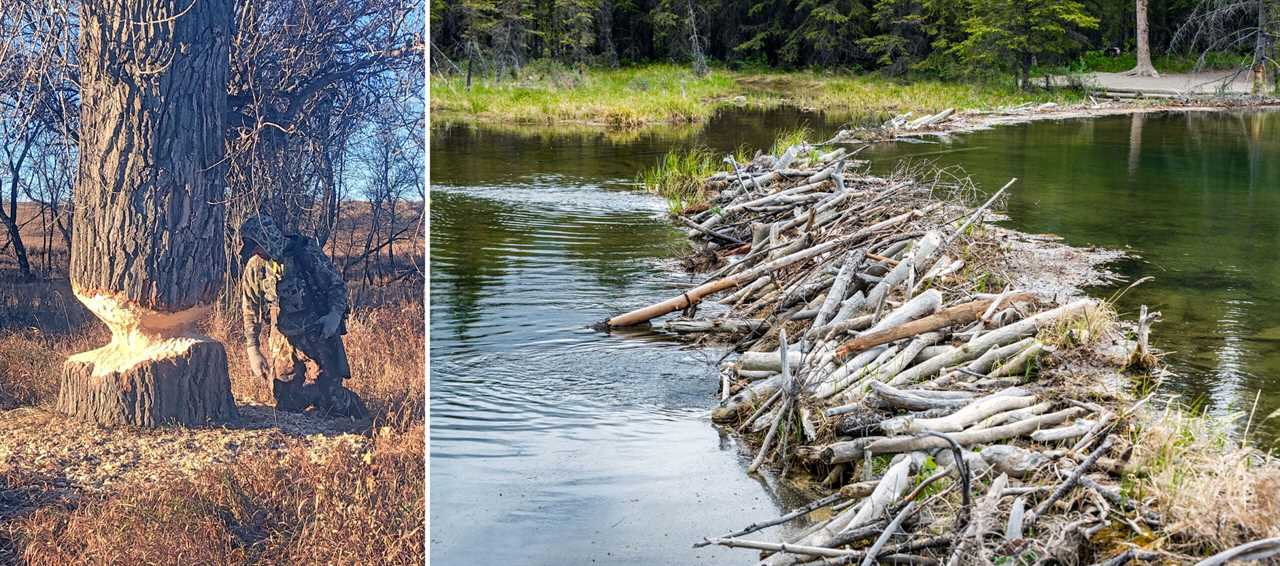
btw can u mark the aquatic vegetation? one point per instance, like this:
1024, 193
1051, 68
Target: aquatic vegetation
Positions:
679, 176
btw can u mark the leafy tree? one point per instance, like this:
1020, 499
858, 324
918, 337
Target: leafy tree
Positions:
1014, 33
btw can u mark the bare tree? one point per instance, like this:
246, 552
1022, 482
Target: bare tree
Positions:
1144, 67
1231, 24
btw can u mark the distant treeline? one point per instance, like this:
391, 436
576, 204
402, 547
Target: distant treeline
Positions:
944, 38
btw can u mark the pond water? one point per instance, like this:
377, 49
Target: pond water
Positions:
552, 443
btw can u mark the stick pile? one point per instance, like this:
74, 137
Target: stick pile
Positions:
869, 357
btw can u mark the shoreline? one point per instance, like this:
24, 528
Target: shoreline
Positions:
1065, 368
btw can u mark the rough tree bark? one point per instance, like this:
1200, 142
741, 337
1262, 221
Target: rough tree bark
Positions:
1144, 67
147, 249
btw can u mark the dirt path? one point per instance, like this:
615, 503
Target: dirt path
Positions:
1208, 82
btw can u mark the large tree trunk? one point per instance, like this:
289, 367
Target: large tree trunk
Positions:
1144, 67
1262, 83
147, 246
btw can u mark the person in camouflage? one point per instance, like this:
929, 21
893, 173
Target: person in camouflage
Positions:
293, 289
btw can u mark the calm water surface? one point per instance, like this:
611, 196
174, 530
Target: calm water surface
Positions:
555, 444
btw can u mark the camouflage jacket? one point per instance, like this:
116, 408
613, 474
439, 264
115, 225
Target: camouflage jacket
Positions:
292, 293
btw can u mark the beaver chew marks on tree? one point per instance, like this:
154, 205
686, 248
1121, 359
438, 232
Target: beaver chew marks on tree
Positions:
147, 247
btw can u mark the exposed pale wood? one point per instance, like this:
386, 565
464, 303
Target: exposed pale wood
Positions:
998, 337
959, 314
970, 437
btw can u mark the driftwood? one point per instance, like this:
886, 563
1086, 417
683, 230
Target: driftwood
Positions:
959, 314
969, 437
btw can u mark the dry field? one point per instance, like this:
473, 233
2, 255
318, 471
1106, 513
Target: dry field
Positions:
273, 489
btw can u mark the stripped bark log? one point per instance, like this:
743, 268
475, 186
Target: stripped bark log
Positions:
959, 314
970, 437
994, 338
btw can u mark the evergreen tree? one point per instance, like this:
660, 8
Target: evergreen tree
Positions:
1004, 34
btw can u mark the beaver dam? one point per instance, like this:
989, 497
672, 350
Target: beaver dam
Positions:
943, 385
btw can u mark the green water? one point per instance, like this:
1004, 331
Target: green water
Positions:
1195, 196
573, 446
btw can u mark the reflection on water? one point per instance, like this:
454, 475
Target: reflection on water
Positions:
1194, 195
568, 445
571, 446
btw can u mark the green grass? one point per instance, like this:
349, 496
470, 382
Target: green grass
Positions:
548, 94
630, 97
679, 177
1099, 62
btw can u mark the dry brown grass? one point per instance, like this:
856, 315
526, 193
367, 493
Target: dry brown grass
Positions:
337, 505
1213, 492
339, 508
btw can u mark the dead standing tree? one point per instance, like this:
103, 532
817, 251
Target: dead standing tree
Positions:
147, 249
1231, 24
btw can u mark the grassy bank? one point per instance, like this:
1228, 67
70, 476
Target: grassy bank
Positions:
649, 94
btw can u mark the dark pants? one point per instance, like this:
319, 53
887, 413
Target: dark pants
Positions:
325, 362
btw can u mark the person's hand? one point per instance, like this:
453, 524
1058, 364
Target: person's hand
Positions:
331, 322
257, 364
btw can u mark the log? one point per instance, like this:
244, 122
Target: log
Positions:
998, 337
728, 325
1021, 363
887, 396
969, 414
986, 361
1080, 428
695, 295
741, 400
959, 314
1013, 416
768, 361
838, 289
897, 444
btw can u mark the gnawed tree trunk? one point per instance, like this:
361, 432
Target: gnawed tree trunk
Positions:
147, 253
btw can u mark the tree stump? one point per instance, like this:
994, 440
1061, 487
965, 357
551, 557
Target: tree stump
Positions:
155, 371
147, 250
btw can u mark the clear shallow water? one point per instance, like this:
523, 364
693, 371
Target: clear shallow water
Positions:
561, 444
555, 444
1195, 195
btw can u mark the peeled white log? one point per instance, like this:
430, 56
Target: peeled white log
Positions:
959, 420
922, 305
754, 375
970, 437
998, 337
715, 325
924, 247
846, 451
838, 288
768, 361
986, 361
1013, 416
849, 373
748, 396
908, 355
918, 400
1080, 428
895, 482
1018, 364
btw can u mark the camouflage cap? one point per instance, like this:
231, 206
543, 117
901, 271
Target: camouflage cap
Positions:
262, 230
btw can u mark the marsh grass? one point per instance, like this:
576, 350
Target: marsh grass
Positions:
547, 94
632, 97
680, 177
